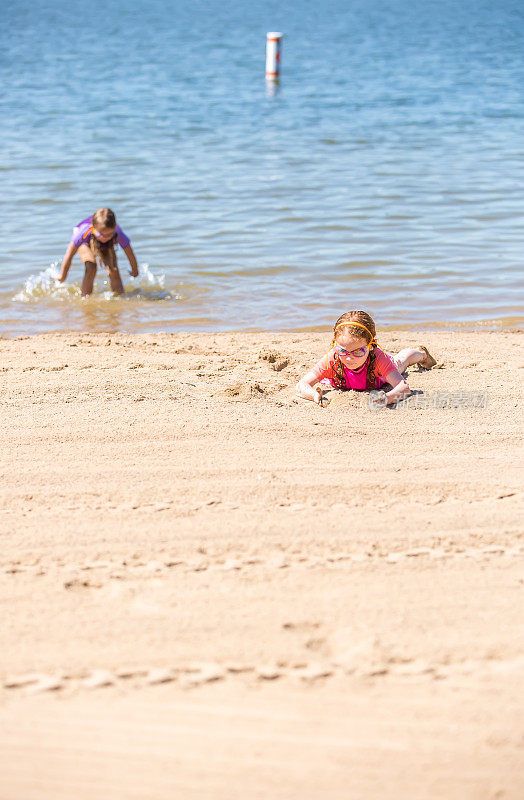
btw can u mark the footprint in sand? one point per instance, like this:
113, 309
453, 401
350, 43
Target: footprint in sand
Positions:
242, 391
158, 676
269, 672
47, 683
21, 681
204, 673
99, 679
313, 672
275, 360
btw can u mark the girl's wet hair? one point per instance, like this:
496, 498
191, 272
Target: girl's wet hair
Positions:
367, 332
104, 218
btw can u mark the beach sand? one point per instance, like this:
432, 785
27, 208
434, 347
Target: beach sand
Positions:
212, 589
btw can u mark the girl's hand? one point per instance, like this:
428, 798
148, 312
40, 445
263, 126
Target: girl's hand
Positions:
305, 388
399, 392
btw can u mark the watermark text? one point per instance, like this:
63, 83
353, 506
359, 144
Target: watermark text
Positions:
459, 398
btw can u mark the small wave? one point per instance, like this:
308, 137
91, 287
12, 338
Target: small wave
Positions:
44, 285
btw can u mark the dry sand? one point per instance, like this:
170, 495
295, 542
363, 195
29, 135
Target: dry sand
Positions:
212, 589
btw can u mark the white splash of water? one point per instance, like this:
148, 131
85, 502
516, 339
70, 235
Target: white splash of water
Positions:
146, 286
152, 280
45, 284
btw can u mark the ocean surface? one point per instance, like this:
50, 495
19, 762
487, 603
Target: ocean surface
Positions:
385, 171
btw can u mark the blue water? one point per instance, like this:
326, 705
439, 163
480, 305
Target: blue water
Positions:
384, 172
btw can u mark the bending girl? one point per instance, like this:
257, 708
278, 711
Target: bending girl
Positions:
94, 238
355, 361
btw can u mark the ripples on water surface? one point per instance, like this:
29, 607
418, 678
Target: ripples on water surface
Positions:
385, 172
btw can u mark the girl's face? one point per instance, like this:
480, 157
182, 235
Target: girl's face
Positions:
104, 234
352, 350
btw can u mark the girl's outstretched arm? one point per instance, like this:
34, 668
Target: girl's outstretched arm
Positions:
400, 388
66, 262
132, 260
305, 388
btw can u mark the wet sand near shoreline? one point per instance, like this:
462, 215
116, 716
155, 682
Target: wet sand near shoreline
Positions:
212, 588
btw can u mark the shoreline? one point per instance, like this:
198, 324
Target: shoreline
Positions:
506, 324
302, 599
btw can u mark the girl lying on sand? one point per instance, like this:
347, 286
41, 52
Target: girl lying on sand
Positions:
95, 239
355, 361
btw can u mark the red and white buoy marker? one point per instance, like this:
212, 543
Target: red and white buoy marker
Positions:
273, 48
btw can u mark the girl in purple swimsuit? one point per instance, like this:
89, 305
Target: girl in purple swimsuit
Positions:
94, 239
